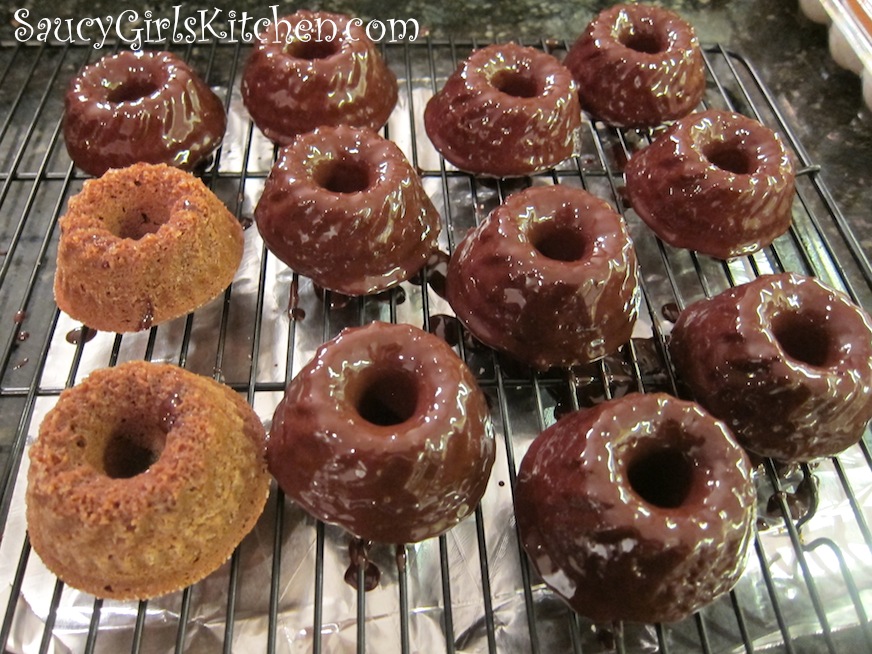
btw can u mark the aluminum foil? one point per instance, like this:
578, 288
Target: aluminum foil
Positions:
471, 590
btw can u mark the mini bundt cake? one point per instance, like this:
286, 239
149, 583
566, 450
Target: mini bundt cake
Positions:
715, 182
143, 480
784, 360
142, 245
141, 106
316, 68
637, 66
343, 207
385, 433
507, 111
550, 277
639, 509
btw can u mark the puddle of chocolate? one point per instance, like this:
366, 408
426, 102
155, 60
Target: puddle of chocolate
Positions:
670, 311
436, 269
81, 334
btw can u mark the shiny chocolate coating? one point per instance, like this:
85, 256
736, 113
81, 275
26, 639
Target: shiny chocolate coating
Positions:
784, 360
343, 207
141, 107
507, 111
715, 182
312, 69
550, 277
385, 433
637, 66
639, 509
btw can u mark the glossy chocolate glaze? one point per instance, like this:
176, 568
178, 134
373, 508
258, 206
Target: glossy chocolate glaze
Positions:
715, 182
343, 207
141, 107
291, 86
637, 66
506, 111
385, 433
784, 360
639, 509
549, 277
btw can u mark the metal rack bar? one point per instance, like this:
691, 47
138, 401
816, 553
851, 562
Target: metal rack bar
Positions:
811, 586
94, 625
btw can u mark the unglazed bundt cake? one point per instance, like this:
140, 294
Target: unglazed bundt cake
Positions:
141, 106
144, 478
784, 360
507, 111
637, 66
550, 277
343, 207
313, 69
715, 182
410, 448
142, 245
639, 509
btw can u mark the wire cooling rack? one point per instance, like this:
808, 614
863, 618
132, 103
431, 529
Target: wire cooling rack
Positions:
298, 585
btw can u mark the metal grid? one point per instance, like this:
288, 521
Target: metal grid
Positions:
807, 586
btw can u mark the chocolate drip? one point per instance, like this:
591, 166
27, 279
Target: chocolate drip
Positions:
295, 312
358, 555
147, 318
670, 311
169, 412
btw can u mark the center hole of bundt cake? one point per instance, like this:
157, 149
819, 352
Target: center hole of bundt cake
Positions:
388, 397
641, 40
803, 338
313, 49
342, 176
661, 477
131, 452
558, 242
729, 157
133, 89
139, 222
518, 84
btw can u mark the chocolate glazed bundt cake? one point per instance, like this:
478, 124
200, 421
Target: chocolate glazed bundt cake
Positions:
386, 433
640, 509
141, 107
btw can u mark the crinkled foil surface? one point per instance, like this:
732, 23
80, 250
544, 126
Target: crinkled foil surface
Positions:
808, 580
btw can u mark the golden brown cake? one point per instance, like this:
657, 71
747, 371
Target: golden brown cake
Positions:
143, 480
142, 245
